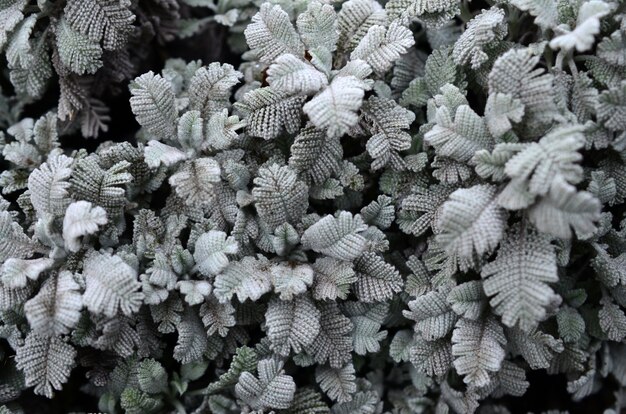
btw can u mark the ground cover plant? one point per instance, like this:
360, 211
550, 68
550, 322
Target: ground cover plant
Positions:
311, 207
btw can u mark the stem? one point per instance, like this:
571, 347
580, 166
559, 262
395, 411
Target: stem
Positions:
178, 405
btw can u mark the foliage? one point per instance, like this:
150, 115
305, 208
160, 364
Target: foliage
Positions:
382, 207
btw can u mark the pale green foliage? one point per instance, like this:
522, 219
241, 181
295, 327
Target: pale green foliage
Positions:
193, 182
152, 103
77, 51
334, 110
337, 237
471, 222
81, 219
338, 383
46, 362
382, 200
56, 308
110, 284
271, 34
210, 252
381, 46
517, 279
478, 349
481, 32
272, 389
280, 196
291, 324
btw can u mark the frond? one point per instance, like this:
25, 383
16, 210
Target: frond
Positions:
271, 34
338, 383
81, 219
46, 362
517, 280
111, 284
337, 237
471, 221
272, 389
55, 310
292, 325
382, 46
280, 197
153, 103
478, 350
335, 108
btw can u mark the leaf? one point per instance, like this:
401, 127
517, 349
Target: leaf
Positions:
432, 314
290, 74
272, 389
471, 222
564, 209
290, 279
107, 20
335, 108
537, 348
156, 154
55, 310
571, 324
332, 279
502, 109
248, 279
16, 272
280, 196
194, 181
152, 377
460, 138
338, 383
381, 46
210, 252
192, 340
210, 88
478, 349
77, 51
194, 291
317, 26
612, 320
611, 107
379, 213
514, 73
546, 11
468, 299
81, 219
367, 320
337, 237
291, 325
101, 187
517, 280
270, 34
13, 242
244, 360
431, 357
315, 156
587, 26
390, 124
482, 31
48, 185
152, 102
269, 112
333, 345
217, 317
354, 20
377, 280
547, 165
46, 363
111, 284
11, 14
421, 209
